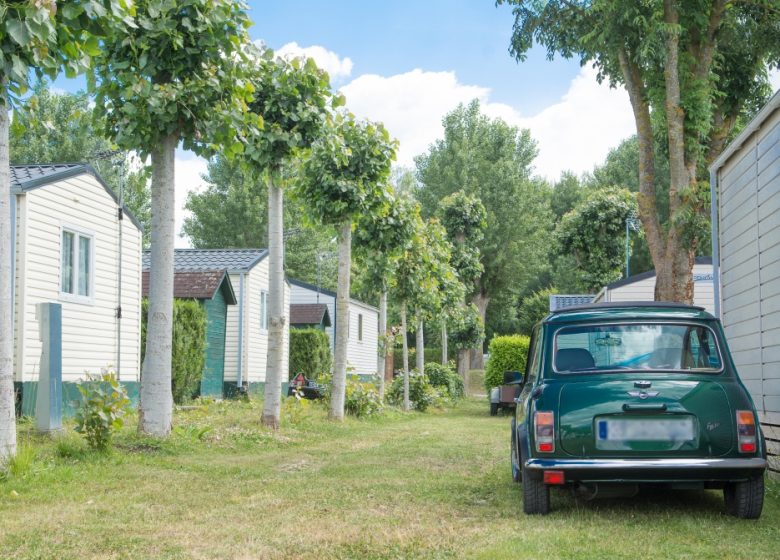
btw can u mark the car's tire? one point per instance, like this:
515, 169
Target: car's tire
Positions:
493, 409
536, 494
514, 458
745, 499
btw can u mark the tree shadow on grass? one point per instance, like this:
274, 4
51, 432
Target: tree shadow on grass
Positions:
650, 499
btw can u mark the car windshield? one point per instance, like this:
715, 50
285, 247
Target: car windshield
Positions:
636, 347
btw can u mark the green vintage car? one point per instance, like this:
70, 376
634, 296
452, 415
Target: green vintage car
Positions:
620, 395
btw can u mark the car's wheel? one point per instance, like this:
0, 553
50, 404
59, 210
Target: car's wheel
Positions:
493, 409
513, 457
536, 494
745, 499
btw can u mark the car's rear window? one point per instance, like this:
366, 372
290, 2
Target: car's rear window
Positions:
618, 347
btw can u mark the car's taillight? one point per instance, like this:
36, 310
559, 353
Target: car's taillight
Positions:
746, 431
545, 432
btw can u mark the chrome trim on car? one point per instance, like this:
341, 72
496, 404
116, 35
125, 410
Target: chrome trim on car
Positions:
645, 464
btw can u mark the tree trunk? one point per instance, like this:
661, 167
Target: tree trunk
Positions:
277, 319
384, 341
463, 363
419, 345
481, 300
444, 357
342, 323
156, 406
405, 356
390, 362
7, 408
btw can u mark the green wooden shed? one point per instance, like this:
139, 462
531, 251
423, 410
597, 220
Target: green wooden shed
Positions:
215, 292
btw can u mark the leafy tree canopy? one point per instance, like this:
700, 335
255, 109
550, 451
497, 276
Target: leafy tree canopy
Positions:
170, 71
591, 234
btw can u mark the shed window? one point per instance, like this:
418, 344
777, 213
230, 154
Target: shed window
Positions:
264, 311
360, 326
76, 265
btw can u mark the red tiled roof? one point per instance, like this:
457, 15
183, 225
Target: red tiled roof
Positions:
199, 284
309, 314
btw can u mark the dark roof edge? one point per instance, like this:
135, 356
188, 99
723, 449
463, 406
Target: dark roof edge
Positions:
627, 304
649, 274
302, 284
227, 285
80, 169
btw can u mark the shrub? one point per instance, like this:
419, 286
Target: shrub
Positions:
432, 354
507, 353
361, 399
421, 393
104, 403
445, 378
188, 355
309, 353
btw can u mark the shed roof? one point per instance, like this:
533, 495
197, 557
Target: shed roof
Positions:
232, 260
313, 288
309, 314
27, 177
650, 274
201, 284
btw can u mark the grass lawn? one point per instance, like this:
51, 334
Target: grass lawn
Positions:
433, 485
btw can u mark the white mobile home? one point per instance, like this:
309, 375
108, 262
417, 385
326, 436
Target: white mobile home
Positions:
745, 181
641, 287
246, 332
363, 341
75, 246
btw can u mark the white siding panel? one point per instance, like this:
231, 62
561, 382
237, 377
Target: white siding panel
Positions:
90, 330
361, 354
231, 331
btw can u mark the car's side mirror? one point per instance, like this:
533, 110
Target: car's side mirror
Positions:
513, 378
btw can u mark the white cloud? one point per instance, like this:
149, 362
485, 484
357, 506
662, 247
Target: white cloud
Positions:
187, 179
329, 61
575, 132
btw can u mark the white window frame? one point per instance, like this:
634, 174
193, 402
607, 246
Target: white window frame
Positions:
78, 232
263, 311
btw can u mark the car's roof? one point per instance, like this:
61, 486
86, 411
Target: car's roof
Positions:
628, 310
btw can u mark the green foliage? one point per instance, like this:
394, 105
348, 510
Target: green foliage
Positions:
20, 465
309, 353
432, 354
347, 171
361, 398
567, 193
465, 328
49, 35
534, 308
594, 235
188, 355
488, 160
104, 404
507, 353
291, 99
465, 219
174, 70
422, 394
59, 128
445, 378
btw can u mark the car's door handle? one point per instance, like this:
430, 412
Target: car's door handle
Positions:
644, 407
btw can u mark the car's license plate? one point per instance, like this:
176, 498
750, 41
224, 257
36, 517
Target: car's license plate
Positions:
622, 429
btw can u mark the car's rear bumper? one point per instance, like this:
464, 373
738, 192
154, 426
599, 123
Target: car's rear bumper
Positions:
651, 470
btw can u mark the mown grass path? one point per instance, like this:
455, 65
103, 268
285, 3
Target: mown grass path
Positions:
404, 486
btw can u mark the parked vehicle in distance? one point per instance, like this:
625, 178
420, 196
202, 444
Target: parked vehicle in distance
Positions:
503, 397
618, 395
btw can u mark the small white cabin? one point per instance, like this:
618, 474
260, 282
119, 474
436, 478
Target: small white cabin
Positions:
246, 332
641, 287
745, 183
363, 341
76, 246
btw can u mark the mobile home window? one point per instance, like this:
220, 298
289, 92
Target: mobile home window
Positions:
76, 265
264, 311
360, 326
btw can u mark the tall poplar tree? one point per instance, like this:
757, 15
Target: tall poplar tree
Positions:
41, 37
170, 76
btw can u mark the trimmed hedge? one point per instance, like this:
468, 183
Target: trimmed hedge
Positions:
507, 353
309, 353
188, 355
